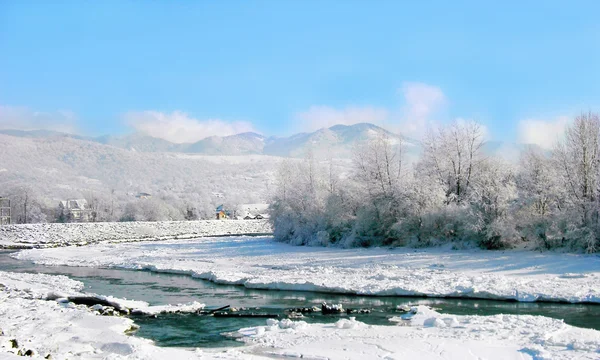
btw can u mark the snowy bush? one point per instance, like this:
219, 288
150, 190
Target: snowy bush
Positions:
453, 194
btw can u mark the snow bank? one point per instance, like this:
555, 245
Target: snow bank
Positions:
30, 322
263, 263
426, 335
53, 235
66, 332
63, 330
38, 286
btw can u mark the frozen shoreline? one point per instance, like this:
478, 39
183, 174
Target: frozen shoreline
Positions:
56, 235
64, 330
262, 263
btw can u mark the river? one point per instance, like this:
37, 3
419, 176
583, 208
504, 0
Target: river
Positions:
191, 330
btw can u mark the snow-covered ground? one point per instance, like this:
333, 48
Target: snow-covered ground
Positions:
260, 262
64, 330
29, 322
426, 334
52, 235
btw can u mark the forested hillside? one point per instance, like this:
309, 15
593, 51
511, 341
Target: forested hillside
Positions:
185, 181
38, 172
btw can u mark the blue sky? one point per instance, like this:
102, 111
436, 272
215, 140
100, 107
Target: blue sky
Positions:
277, 67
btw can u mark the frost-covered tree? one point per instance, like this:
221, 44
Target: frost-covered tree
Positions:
379, 175
540, 197
26, 205
453, 155
298, 206
493, 197
577, 159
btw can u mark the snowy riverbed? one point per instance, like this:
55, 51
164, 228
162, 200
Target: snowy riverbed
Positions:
53, 235
261, 263
63, 330
66, 330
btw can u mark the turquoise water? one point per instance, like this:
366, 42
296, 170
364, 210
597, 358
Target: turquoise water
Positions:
191, 330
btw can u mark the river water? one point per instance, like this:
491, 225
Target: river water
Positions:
191, 330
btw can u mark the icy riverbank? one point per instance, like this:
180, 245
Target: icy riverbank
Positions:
53, 235
63, 330
265, 264
31, 324
426, 334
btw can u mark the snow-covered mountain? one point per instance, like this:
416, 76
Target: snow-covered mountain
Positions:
240, 144
336, 141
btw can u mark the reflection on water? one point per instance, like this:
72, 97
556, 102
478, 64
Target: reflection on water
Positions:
193, 330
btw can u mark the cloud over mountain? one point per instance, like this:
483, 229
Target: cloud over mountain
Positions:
178, 127
544, 133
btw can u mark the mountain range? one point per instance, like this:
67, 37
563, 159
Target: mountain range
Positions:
237, 169
338, 140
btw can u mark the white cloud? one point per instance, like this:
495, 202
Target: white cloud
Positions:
421, 102
179, 127
318, 117
544, 133
23, 118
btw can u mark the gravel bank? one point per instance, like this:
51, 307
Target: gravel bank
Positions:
55, 235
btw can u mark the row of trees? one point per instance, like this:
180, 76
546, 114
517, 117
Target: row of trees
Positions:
29, 205
453, 193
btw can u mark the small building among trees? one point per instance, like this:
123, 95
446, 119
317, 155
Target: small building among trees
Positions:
74, 210
222, 213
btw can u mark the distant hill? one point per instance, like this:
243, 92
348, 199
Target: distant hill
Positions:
336, 141
232, 169
59, 168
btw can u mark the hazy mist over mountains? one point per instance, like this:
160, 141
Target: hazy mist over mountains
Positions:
233, 169
337, 140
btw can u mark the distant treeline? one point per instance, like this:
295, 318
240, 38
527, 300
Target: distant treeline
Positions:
453, 194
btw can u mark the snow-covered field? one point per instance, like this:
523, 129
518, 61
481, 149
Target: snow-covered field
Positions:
52, 235
260, 262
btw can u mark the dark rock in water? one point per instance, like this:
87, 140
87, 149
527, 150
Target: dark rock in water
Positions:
25, 353
247, 315
14, 343
91, 301
358, 311
108, 311
304, 310
295, 315
327, 309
